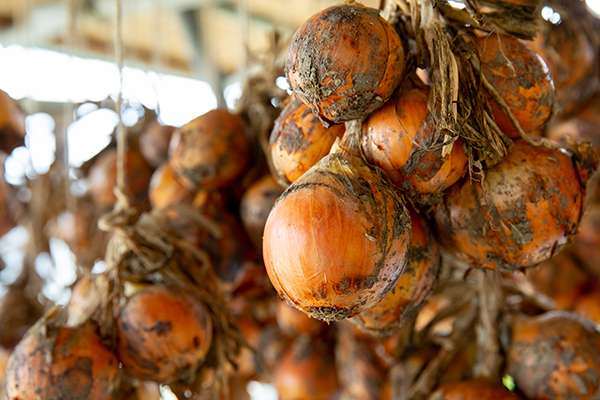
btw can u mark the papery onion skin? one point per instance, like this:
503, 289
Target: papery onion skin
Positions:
164, 333
344, 62
336, 241
165, 189
521, 78
299, 140
529, 208
396, 138
405, 300
554, 356
62, 363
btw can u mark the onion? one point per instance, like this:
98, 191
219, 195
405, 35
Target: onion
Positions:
473, 390
344, 62
210, 151
61, 363
521, 78
154, 143
528, 207
572, 61
255, 206
554, 356
400, 138
165, 190
336, 241
400, 307
299, 140
164, 334
102, 178
12, 124
586, 245
306, 372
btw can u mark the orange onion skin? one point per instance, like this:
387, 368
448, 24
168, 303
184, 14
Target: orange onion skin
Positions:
165, 189
528, 209
476, 389
164, 333
344, 62
336, 241
210, 151
62, 363
406, 299
306, 372
299, 140
521, 78
554, 356
394, 139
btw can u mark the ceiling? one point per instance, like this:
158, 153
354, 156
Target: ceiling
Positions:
200, 38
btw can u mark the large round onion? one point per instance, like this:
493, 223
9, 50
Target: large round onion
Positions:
402, 139
61, 363
336, 241
528, 207
345, 62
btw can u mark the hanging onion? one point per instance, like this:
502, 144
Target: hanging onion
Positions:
344, 62
336, 241
526, 209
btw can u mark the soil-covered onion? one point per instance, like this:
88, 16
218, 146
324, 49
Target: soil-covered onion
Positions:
555, 356
521, 78
62, 363
336, 241
210, 151
299, 140
402, 139
344, 62
164, 334
401, 305
526, 209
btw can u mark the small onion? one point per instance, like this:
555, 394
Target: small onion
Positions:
473, 390
527, 209
299, 140
165, 189
521, 78
398, 139
554, 356
12, 124
344, 62
210, 151
62, 363
336, 241
403, 302
306, 372
164, 334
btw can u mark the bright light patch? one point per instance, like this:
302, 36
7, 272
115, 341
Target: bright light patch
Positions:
594, 6
551, 16
90, 134
183, 99
232, 94
456, 4
261, 391
41, 141
12, 251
